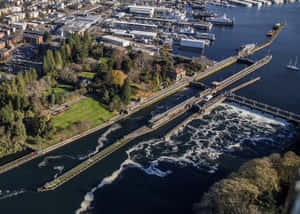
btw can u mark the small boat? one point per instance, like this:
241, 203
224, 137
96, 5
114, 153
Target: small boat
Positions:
293, 67
270, 33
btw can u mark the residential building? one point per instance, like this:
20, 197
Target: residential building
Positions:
177, 74
33, 37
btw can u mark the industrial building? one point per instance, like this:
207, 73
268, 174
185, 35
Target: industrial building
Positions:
144, 11
115, 40
162, 12
143, 34
133, 26
192, 43
78, 23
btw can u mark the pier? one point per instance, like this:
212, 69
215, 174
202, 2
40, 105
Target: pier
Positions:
290, 116
232, 79
216, 67
245, 84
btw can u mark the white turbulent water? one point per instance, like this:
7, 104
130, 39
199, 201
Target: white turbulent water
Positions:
200, 143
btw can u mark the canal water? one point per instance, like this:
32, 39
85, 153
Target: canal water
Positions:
154, 175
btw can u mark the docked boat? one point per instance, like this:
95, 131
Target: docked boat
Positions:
222, 20
270, 33
247, 47
292, 66
208, 36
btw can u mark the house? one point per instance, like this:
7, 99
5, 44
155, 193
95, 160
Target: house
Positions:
177, 74
2, 34
33, 37
4, 53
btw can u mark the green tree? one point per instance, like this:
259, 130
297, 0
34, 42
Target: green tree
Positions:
126, 91
58, 59
106, 97
6, 115
51, 63
46, 36
46, 67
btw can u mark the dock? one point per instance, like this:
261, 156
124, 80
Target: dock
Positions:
232, 79
245, 84
216, 67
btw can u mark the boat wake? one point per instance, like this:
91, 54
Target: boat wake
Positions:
101, 141
228, 129
4, 194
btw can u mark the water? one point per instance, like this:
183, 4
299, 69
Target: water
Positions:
152, 175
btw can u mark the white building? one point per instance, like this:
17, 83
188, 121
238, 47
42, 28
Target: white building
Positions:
192, 43
116, 41
79, 23
141, 10
143, 34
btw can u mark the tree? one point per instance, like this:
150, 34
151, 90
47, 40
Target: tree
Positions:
106, 97
126, 92
58, 59
115, 104
46, 36
46, 67
51, 64
126, 65
6, 115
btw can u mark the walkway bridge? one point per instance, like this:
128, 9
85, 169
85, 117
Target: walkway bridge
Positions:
290, 116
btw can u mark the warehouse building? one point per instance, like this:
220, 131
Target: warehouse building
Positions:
78, 23
115, 40
133, 26
143, 34
144, 11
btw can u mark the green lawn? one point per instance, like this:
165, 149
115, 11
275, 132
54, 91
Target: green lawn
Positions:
84, 110
88, 75
60, 89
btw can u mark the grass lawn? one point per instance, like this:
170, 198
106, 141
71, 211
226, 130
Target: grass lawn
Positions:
84, 110
60, 89
88, 75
